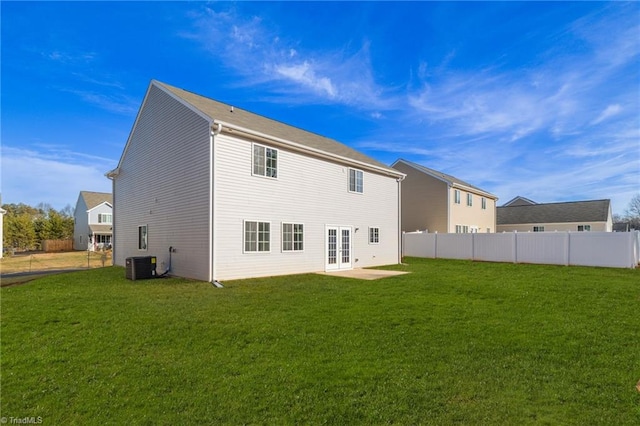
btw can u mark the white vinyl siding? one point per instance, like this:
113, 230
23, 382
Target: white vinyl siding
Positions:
164, 183
307, 188
374, 235
292, 237
356, 180
265, 161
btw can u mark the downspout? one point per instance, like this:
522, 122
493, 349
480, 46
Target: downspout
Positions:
400, 251
215, 130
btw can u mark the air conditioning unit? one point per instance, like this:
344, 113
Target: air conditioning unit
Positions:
141, 267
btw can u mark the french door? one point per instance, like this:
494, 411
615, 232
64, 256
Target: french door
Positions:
338, 248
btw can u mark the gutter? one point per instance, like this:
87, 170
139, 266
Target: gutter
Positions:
252, 134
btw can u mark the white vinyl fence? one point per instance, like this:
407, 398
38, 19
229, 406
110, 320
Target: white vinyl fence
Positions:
608, 249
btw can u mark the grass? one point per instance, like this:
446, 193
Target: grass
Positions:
452, 342
44, 261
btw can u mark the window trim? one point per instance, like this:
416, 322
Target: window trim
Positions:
456, 196
264, 165
146, 237
469, 199
257, 232
484, 203
377, 235
293, 241
101, 215
356, 171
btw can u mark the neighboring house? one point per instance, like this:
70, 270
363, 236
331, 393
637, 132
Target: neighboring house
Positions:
438, 202
592, 215
216, 193
93, 221
2, 213
519, 201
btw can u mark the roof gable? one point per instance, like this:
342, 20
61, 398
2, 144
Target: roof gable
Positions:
450, 180
519, 201
94, 199
219, 112
575, 211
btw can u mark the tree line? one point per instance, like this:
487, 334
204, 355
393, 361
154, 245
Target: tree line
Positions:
631, 215
25, 227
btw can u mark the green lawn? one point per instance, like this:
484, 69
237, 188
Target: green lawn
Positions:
452, 342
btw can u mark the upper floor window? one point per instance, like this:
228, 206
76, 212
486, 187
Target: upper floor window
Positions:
355, 180
469, 199
105, 217
292, 237
538, 229
456, 196
265, 161
484, 203
584, 228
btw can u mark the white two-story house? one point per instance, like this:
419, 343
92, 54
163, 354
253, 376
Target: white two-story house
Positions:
215, 192
93, 217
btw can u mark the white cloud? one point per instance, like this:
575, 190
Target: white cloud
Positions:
52, 175
304, 74
261, 56
608, 112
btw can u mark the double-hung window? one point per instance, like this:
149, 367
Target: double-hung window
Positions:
142, 237
538, 229
257, 236
469, 199
456, 196
484, 203
584, 228
105, 218
292, 237
265, 161
374, 235
355, 180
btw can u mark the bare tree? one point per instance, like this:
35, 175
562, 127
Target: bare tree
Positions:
632, 214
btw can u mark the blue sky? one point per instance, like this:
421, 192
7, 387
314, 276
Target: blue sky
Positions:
534, 99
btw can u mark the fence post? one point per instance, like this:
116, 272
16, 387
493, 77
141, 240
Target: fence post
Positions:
567, 248
515, 246
435, 246
473, 246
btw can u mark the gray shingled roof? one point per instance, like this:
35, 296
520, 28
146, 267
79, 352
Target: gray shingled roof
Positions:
92, 199
221, 111
450, 179
575, 211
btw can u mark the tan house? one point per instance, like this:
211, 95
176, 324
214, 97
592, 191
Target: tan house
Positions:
524, 215
438, 202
